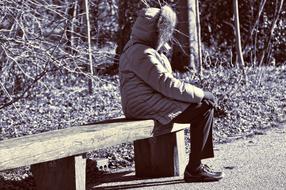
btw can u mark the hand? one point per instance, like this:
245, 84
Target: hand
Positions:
209, 99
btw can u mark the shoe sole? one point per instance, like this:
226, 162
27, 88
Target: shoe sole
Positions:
201, 179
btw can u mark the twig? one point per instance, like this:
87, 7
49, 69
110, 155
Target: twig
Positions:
10, 97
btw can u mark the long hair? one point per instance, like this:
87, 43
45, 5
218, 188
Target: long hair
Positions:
166, 24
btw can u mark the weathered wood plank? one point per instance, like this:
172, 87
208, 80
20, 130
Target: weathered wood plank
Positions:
63, 143
80, 172
160, 156
63, 174
180, 154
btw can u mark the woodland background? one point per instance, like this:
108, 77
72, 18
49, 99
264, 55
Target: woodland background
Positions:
59, 59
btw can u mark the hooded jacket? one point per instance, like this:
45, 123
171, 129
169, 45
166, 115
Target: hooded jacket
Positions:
147, 86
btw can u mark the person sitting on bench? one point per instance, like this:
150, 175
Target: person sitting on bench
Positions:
149, 90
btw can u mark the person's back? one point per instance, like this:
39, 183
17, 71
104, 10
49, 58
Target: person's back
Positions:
149, 90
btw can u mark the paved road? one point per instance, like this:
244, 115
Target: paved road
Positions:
256, 163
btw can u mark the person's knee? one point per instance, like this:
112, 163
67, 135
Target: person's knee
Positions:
207, 110
206, 107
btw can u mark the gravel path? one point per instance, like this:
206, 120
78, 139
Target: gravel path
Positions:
250, 163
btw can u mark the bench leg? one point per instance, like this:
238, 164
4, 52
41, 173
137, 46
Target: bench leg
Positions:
160, 156
63, 174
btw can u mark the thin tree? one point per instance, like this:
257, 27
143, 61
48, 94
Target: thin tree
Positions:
239, 54
127, 13
185, 49
181, 59
90, 86
198, 25
237, 34
267, 51
74, 15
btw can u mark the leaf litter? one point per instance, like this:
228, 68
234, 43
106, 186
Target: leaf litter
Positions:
246, 109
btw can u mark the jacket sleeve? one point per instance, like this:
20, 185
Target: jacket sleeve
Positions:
150, 70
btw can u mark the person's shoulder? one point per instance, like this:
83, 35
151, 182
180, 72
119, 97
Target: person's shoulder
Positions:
140, 51
151, 52
144, 49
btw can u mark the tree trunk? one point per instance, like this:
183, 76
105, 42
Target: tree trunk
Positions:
90, 86
186, 50
126, 17
198, 25
267, 51
237, 34
68, 27
73, 30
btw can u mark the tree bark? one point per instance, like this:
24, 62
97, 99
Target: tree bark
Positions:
186, 50
267, 51
90, 86
237, 34
73, 30
198, 25
126, 17
181, 50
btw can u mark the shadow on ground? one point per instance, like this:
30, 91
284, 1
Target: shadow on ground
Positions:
27, 183
116, 181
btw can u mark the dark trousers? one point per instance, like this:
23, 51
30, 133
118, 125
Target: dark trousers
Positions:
200, 117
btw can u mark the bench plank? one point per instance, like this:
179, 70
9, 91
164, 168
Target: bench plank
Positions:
67, 142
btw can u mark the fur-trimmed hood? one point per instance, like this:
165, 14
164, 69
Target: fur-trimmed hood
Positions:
145, 28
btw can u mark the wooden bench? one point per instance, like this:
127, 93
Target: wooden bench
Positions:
58, 162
